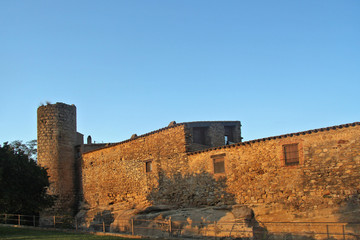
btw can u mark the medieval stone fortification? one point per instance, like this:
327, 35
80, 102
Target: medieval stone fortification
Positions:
305, 176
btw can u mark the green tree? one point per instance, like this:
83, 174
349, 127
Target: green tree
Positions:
30, 148
23, 184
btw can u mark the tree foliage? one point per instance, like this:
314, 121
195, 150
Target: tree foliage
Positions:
23, 184
30, 148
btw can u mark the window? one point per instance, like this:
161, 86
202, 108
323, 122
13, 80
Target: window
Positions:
227, 141
199, 135
148, 166
218, 163
219, 166
229, 134
291, 154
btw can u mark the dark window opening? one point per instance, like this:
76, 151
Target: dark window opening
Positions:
291, 154
219, 165
199, 135
148, 166
229, 134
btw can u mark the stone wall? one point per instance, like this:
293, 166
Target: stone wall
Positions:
94, 146
115, 177
57, 137
324, 185
184, 166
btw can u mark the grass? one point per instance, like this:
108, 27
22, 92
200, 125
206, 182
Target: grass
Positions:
25, 233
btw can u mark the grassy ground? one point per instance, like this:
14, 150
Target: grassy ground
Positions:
24, 233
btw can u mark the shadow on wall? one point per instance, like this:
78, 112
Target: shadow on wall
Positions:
350, 213
101, 220
191, 190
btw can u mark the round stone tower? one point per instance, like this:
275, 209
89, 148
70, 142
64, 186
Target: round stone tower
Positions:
56, 139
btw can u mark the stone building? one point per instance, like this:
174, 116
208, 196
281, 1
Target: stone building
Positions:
305, 176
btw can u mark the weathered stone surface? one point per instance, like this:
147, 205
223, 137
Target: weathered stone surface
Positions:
118, 173
326, 177
127, 179
242, 212
56, 130
206, 222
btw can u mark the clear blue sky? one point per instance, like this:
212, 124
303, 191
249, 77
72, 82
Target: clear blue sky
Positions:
134, 66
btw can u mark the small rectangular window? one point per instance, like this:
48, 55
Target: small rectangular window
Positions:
148, 166
219, 163
219, 166
291, 154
